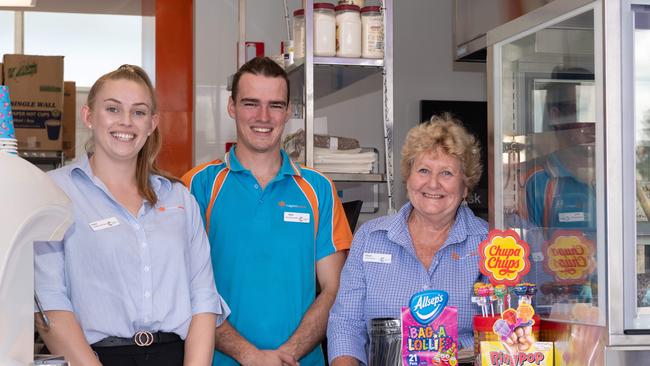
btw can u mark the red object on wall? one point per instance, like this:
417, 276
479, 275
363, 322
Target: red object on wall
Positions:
174, 82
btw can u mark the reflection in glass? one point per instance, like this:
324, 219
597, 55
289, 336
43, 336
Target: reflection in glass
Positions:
642, 136
548, 108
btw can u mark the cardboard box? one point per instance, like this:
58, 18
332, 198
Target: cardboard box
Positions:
36, 90
69, 123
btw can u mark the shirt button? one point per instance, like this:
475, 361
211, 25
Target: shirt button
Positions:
256, 186
146, 268
147, 294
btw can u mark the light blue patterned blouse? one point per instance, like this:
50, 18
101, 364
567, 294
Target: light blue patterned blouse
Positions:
370, 289
149, 272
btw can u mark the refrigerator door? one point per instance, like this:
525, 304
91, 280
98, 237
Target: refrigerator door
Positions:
547, 154
636, 165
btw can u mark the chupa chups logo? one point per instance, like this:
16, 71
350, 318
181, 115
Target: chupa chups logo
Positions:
569, 256
504, 257
427, 305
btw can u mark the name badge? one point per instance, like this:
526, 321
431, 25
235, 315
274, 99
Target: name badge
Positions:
377, 257
571, 217
104, 224
297, 217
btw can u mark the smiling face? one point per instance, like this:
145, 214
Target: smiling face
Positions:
121, 118
260, 113
436, 186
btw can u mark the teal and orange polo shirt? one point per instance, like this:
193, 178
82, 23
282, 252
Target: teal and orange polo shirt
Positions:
265, 244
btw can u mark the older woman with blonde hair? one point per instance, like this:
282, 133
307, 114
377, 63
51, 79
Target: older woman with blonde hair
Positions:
431, 243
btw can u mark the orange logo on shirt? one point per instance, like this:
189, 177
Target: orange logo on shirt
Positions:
282, 204
504, 257
163, 208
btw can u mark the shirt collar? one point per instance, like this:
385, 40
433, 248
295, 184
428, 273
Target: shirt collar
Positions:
555, 167
82, 165
288, 167
396, 226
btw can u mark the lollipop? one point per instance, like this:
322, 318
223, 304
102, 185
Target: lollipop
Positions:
480, 301
482, 292
510, 316
491, 297
500, 292
520, 291
502, 328
531, 290
525, 312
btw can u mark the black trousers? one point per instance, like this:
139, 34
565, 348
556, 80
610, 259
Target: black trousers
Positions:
159, 354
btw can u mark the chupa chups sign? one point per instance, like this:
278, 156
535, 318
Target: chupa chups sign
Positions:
504, 257
569, 256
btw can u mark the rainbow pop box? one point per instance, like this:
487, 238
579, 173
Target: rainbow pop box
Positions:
495, 353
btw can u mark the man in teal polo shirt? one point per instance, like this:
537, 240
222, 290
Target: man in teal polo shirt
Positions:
275, 228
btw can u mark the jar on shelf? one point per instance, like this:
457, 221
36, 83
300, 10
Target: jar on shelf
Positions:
324, 29
372, 32
298, 31
358, 3
348, 31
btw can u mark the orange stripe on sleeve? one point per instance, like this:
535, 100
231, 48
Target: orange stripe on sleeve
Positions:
522, 194
187, 177
548, 202
216, 187
309, 192
341, 233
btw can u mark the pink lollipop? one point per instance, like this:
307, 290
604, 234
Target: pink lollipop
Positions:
502, 328
510, 316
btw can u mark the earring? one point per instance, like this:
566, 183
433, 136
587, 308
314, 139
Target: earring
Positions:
149, 134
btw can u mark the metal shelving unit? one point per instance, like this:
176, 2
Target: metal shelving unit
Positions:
305, 74
350, 70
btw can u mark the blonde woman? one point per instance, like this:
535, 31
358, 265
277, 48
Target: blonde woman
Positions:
432, 242
132, 282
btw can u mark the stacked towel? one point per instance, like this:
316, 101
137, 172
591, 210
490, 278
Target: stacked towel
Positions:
344, 161
332, 154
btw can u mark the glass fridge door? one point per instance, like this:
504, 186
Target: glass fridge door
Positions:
548, 159
637, 134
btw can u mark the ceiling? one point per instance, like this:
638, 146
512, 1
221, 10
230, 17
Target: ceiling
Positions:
121, 7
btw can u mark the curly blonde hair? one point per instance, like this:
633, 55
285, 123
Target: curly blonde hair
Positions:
445, 132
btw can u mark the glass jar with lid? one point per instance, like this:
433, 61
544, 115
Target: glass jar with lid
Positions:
324, 29
348, 31
298, 32
372, 32
358, 3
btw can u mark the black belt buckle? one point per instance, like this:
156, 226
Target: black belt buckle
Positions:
143, 338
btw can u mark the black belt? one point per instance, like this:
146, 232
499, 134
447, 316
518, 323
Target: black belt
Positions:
142, 339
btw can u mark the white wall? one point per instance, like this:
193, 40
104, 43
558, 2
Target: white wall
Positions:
423, 69
216, 31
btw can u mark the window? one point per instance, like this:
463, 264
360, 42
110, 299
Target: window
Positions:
93, 44
6, 32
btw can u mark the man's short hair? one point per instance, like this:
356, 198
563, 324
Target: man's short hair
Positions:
259, 66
